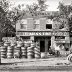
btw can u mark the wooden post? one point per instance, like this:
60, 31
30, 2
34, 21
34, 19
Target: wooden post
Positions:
46, 45
0, 34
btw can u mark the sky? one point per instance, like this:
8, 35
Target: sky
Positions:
52, 4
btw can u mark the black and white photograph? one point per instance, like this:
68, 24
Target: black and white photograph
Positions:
35, 35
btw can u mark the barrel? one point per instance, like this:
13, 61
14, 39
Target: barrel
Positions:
10, 50
30, 52
7, 44
37, 52
17, 51
24, 52
3, 52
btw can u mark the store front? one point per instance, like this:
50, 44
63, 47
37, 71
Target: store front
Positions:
44, 42
46, 39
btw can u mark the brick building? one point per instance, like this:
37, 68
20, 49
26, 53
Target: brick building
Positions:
44, 30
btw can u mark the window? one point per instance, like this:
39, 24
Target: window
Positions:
48, 26
23, 26
36, 26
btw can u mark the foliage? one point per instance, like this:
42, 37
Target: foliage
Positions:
41, 6
5, 23
15, 14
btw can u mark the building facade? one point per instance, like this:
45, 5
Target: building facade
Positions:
44, 30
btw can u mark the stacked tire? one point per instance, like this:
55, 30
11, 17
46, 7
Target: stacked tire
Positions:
37, 52
20, 43
24, 52
69, 58
17, 51
10, 50
7, 44
26, 44
30, 52
3, 52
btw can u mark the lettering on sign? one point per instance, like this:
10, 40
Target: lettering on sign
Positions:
61, 33
33, 33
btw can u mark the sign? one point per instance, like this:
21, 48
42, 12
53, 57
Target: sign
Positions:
61, 33
33, 33
60, 41
10, 39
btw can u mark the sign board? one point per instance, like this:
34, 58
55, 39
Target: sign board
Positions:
33, 33
10, 39
61, 33
60, 41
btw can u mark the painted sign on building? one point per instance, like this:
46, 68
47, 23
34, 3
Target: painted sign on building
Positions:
34, 33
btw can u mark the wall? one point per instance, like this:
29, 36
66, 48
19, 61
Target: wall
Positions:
30, 24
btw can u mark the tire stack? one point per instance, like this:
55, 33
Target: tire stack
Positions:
10, 50
30, 53
17, 51
37, 52
69, 58
20, 43
13, 44
24, 52
26, 44
3, 52
6, 44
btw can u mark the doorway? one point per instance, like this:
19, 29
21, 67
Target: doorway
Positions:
42, 46
49, 44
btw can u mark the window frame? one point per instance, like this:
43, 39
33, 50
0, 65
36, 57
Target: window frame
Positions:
48, 24
23, 27
34, 27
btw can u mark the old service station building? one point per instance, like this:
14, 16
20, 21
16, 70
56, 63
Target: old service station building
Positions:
44, 30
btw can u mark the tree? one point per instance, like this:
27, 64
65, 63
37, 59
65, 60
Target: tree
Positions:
66, 12
42, 5
64, 9
5, 23
34, 8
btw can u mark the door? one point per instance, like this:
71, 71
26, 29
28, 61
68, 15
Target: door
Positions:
49, 44
42, 46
